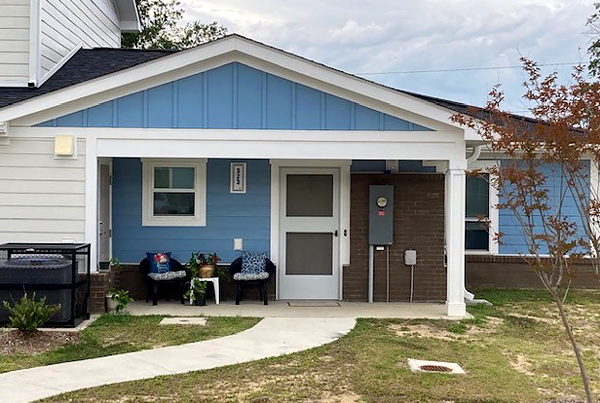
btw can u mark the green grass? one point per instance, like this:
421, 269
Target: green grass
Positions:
512, 352
116, 334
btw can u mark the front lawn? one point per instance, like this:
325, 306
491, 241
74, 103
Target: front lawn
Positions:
514, 352
117, 334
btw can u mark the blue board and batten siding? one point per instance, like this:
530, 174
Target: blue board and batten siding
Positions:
228, 215
512, 239
234, 96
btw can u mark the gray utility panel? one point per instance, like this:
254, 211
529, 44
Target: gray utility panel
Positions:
381, 215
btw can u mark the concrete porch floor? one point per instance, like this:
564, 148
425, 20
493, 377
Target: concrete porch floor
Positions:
400, 310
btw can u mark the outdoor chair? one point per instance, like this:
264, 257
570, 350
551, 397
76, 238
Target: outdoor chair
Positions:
175, 278
244, 280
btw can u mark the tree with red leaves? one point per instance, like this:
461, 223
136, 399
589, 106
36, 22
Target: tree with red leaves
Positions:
544, 164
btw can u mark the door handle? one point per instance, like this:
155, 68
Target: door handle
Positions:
335, 233
345, 232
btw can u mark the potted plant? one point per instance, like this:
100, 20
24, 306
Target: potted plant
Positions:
197, 292
203, 264
117, 300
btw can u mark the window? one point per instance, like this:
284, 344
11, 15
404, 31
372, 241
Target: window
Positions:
174, 193
477, 209
481, 199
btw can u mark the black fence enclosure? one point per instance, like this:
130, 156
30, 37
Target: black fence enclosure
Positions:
58, 271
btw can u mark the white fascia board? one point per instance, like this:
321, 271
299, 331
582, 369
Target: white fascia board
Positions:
14, 84
197, 59
129, 19
279, 144
129, 26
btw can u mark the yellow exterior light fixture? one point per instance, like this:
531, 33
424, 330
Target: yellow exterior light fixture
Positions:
64, 145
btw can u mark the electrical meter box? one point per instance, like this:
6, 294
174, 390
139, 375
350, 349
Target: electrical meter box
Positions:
381, 215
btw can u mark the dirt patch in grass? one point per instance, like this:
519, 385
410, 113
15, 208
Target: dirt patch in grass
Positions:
16, 342
458, 331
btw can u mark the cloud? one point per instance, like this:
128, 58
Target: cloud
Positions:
390, 35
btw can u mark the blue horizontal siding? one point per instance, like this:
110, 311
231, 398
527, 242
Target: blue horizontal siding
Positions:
228, 215
513, 241
234, 96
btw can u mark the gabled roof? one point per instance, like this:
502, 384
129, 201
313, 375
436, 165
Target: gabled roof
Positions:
89, 65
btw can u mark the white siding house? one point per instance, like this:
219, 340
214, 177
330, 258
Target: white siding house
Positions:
14, 42
42, 199
39, 36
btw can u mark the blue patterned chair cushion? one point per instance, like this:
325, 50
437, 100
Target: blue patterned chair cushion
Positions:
251, 276
254, 262
170, 275
159, 262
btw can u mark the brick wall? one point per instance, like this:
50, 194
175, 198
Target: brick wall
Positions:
513, 272
99, 284
418, 224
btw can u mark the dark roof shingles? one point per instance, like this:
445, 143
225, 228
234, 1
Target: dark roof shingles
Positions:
85, 65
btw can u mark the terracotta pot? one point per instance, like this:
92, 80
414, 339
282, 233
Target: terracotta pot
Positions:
206, 271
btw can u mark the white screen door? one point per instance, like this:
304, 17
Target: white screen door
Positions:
309, 233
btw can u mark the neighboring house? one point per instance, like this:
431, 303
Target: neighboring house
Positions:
136, 151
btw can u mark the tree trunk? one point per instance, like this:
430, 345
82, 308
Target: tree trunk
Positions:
584, 376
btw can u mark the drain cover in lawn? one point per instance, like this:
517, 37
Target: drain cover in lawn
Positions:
314, 304
183, 321
434, 366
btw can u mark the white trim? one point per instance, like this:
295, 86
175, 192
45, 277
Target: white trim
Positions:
232, 48
34, 42
274, 233
148, 217
13, 84
246, 144
61, 63
494, 213
91, 201
109, 163
454, 219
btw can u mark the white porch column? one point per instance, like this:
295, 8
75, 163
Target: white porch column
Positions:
455, 241
91, 200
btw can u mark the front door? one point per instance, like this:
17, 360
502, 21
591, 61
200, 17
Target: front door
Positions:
104, 230
309, 233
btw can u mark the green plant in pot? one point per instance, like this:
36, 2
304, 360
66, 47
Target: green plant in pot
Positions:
118, 300
203, 265
197, 292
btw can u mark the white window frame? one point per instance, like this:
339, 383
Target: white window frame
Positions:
494, 216
148, 217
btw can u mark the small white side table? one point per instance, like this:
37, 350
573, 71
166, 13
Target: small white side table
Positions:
215, 281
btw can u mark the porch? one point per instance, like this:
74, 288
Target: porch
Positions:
297, 309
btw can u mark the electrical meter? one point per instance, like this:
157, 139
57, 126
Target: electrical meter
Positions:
381, 215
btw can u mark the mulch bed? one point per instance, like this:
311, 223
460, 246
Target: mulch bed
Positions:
15, 342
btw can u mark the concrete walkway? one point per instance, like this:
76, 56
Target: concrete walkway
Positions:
269, 338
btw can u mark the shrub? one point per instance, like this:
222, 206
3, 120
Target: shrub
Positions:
27, 314
121, 296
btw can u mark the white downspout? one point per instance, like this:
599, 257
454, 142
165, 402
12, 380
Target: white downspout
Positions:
469, 296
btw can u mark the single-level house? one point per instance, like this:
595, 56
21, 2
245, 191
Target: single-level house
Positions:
236, 145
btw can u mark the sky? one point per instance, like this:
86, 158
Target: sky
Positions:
385, 36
